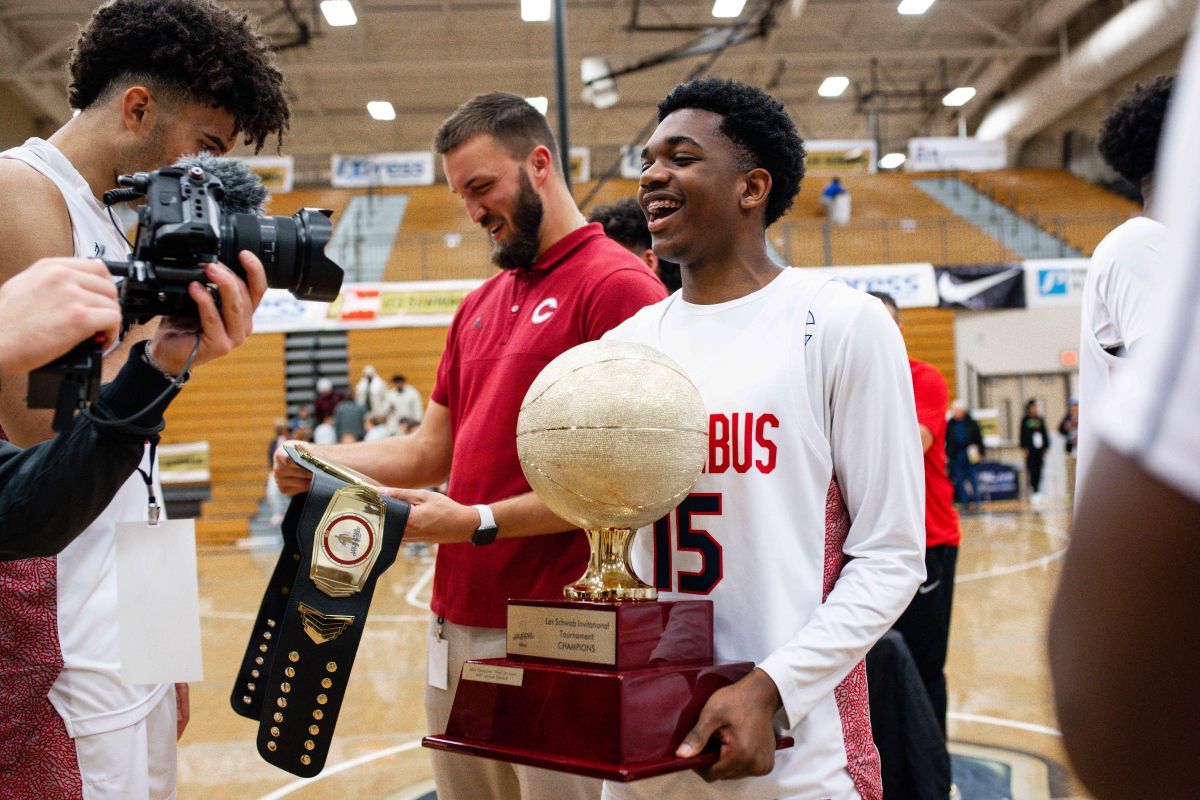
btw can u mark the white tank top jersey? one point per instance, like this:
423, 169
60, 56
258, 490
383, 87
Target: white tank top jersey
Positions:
1117, 311
806, 529
89, 692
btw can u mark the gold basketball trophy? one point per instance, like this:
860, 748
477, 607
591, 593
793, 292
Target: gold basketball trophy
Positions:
611, 437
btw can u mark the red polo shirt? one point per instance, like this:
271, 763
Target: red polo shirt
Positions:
502, 336
941, 520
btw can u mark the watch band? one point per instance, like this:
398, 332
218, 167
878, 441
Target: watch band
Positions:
487, 530
339, 537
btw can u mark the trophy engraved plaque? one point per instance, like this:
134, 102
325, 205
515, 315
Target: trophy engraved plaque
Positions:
611, 437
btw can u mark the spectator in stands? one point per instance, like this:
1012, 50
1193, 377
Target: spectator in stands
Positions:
1035, 442
376, 427
371, 391
1127, 264
835, 200
325, 401
964, 451
925, 624
303, 419
325, 433
625, 223
276, 501
403, 402
349, 418
1069, 428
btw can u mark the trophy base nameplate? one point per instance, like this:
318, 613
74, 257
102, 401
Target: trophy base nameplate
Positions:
599, 689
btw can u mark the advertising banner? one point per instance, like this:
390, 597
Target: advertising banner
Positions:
581, 164
381, 169
955, 152
911, 285
278, 173
366, 305
631, 162
840, 157
1055, 281
982, 286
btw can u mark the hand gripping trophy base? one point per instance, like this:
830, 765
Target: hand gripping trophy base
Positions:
609, 576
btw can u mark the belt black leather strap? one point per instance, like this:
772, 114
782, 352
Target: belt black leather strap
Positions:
339, 538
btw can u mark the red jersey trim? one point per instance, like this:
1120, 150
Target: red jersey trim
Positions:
862, 758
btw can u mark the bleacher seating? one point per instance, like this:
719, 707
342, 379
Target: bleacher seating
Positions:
1062, 204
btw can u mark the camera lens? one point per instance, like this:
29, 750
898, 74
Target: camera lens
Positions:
292, 250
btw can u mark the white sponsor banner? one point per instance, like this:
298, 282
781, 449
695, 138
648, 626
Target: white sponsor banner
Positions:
955, 152
278, 173
581, 164
414, 304
631, 162
1055, 281
839, 157
381, 169
911, 285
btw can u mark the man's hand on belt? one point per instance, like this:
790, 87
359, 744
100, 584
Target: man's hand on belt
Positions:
434, 517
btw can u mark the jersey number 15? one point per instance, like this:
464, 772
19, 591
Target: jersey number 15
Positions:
689, 535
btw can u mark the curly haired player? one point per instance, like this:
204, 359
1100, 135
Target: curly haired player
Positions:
1115, 313
152, 80
806, 527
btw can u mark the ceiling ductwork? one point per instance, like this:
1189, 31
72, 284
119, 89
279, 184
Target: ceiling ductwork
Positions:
1135, 35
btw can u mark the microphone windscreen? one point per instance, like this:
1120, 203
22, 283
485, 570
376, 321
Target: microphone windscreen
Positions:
244, 191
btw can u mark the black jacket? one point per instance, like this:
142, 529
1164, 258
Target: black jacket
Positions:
1029, 425
51, 492
974, 436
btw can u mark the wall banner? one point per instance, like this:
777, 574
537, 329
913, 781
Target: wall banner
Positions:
840, 157
911, 285
415, 304
1055, 281
982, 286
381, 169
955, 152
278, 173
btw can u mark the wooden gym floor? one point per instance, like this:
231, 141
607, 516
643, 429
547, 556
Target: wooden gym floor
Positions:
1001, 713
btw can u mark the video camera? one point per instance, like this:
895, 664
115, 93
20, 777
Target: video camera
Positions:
203, 210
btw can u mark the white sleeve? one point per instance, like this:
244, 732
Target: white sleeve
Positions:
1151, 413
878, 465
1127, 286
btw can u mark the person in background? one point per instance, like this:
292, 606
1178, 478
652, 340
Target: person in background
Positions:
1116, 310
1035, 442
349, 419
1069, 428
376, 427
403, 402
371, 391
835, 200
324, 433
625, 223
303, 419
326, 400
964, 451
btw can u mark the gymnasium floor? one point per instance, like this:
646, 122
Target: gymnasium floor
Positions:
1002, 723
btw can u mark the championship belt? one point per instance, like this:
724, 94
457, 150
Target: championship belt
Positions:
338, 538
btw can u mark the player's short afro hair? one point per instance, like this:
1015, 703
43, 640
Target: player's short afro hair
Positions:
756, 122
1130, 134
624, 222
198, 48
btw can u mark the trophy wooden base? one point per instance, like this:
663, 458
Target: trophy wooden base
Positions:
620, 719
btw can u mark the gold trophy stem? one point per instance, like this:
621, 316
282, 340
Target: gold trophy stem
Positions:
609, 576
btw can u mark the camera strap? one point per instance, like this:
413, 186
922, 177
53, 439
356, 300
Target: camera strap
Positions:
153, 510
339, 537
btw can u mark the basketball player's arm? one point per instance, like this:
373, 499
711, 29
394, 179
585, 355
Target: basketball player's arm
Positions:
36, 227
423, 459
1123, 649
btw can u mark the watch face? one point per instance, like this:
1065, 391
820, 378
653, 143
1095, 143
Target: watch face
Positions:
485, 535
348, 540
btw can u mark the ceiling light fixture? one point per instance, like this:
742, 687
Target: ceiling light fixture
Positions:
959, 97
914, 7
540, 103
833, 86
535, 10
728, 9
338, 13
892, 160
381, 110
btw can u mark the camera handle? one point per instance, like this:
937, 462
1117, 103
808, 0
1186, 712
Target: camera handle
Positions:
68, 383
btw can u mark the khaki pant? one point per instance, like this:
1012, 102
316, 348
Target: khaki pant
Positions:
460, 777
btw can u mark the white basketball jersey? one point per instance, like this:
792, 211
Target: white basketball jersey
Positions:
89, 692
810, 404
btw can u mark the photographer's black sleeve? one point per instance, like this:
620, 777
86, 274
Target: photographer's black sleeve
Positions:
51, 492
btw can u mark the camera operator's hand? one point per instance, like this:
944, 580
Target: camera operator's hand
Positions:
222, 329
52, 306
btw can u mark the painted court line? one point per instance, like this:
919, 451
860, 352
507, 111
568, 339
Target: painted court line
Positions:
1001, 722
336, 769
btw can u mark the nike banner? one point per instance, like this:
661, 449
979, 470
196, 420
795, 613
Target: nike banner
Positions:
982, 286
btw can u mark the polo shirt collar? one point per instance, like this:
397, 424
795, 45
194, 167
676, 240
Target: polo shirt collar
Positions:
568, 244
